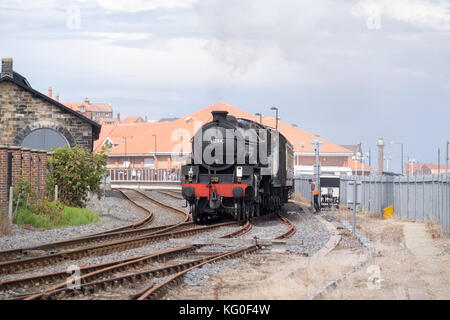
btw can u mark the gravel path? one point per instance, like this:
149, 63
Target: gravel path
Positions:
114, 211
309, 230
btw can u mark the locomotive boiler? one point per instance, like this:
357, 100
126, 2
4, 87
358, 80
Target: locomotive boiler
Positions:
238, 168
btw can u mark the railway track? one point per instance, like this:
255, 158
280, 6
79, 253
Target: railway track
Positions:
43, 281
172, 194
158, 290
99, 277
292, 229
127, 232
106, 273
15, 266
116, 274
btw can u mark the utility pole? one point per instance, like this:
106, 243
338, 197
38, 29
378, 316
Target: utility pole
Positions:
446, 160
316, 145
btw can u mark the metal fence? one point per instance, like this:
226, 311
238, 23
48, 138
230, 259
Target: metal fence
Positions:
417, 198
143, 174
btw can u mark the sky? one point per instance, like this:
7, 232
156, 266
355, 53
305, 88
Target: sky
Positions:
349, 71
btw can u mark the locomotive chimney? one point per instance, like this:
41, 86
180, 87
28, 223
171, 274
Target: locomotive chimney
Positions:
219, 115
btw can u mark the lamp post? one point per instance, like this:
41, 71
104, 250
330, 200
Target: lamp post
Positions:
411, 163
125, 138
316, 145
401, 156
276, 110
260, 117
154, 135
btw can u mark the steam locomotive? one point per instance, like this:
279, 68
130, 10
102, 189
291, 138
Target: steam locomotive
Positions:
238, 168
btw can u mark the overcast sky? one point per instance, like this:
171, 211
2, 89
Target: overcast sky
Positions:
347, 70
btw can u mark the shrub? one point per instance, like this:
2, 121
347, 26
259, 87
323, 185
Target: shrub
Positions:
76, 171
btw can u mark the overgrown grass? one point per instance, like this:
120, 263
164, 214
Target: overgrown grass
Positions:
50, 215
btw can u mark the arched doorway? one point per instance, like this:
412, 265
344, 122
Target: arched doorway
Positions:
44, 139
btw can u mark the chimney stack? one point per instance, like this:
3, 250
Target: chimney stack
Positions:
50, 92
7, 68
86, 100
380, 145
57, 97
118, 116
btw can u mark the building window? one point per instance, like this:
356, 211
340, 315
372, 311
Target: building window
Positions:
149, 162
44, 139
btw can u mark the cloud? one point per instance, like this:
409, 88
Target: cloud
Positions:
142, 5
420, 13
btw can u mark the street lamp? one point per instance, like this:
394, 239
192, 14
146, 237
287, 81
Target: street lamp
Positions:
276, 109
401, 144
316, 146
154, 135
411, 163
260, 117
125, 138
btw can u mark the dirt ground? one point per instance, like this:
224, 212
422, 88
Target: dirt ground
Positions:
414, 264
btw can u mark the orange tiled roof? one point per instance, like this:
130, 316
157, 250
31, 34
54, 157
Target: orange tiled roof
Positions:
132, 120
358, 165
169, 139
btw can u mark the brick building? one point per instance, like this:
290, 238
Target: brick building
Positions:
31, 119
93, 111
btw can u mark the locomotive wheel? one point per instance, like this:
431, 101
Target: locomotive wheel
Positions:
194, 212
197, 212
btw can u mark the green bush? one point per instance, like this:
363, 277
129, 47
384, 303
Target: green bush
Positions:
50, 215
76, 171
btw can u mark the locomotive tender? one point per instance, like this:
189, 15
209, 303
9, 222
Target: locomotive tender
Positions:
238, 168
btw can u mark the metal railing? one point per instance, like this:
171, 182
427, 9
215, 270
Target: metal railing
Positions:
143, 174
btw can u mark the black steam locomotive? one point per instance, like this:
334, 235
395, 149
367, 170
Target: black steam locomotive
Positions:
239, 168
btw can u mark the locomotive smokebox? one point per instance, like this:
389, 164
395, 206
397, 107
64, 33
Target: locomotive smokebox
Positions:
219, 115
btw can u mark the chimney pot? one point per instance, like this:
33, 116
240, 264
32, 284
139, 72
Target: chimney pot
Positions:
7, 68
86, 100
50, 92
57, 97
118, 116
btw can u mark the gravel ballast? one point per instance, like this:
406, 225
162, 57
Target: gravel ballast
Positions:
113, 209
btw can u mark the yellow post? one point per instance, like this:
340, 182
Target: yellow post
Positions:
388, 212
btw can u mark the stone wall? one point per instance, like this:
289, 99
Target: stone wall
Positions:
22, 112
27, 164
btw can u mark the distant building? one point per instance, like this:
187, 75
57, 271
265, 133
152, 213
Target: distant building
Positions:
93, 111
358, 167
423, 168
34, 120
